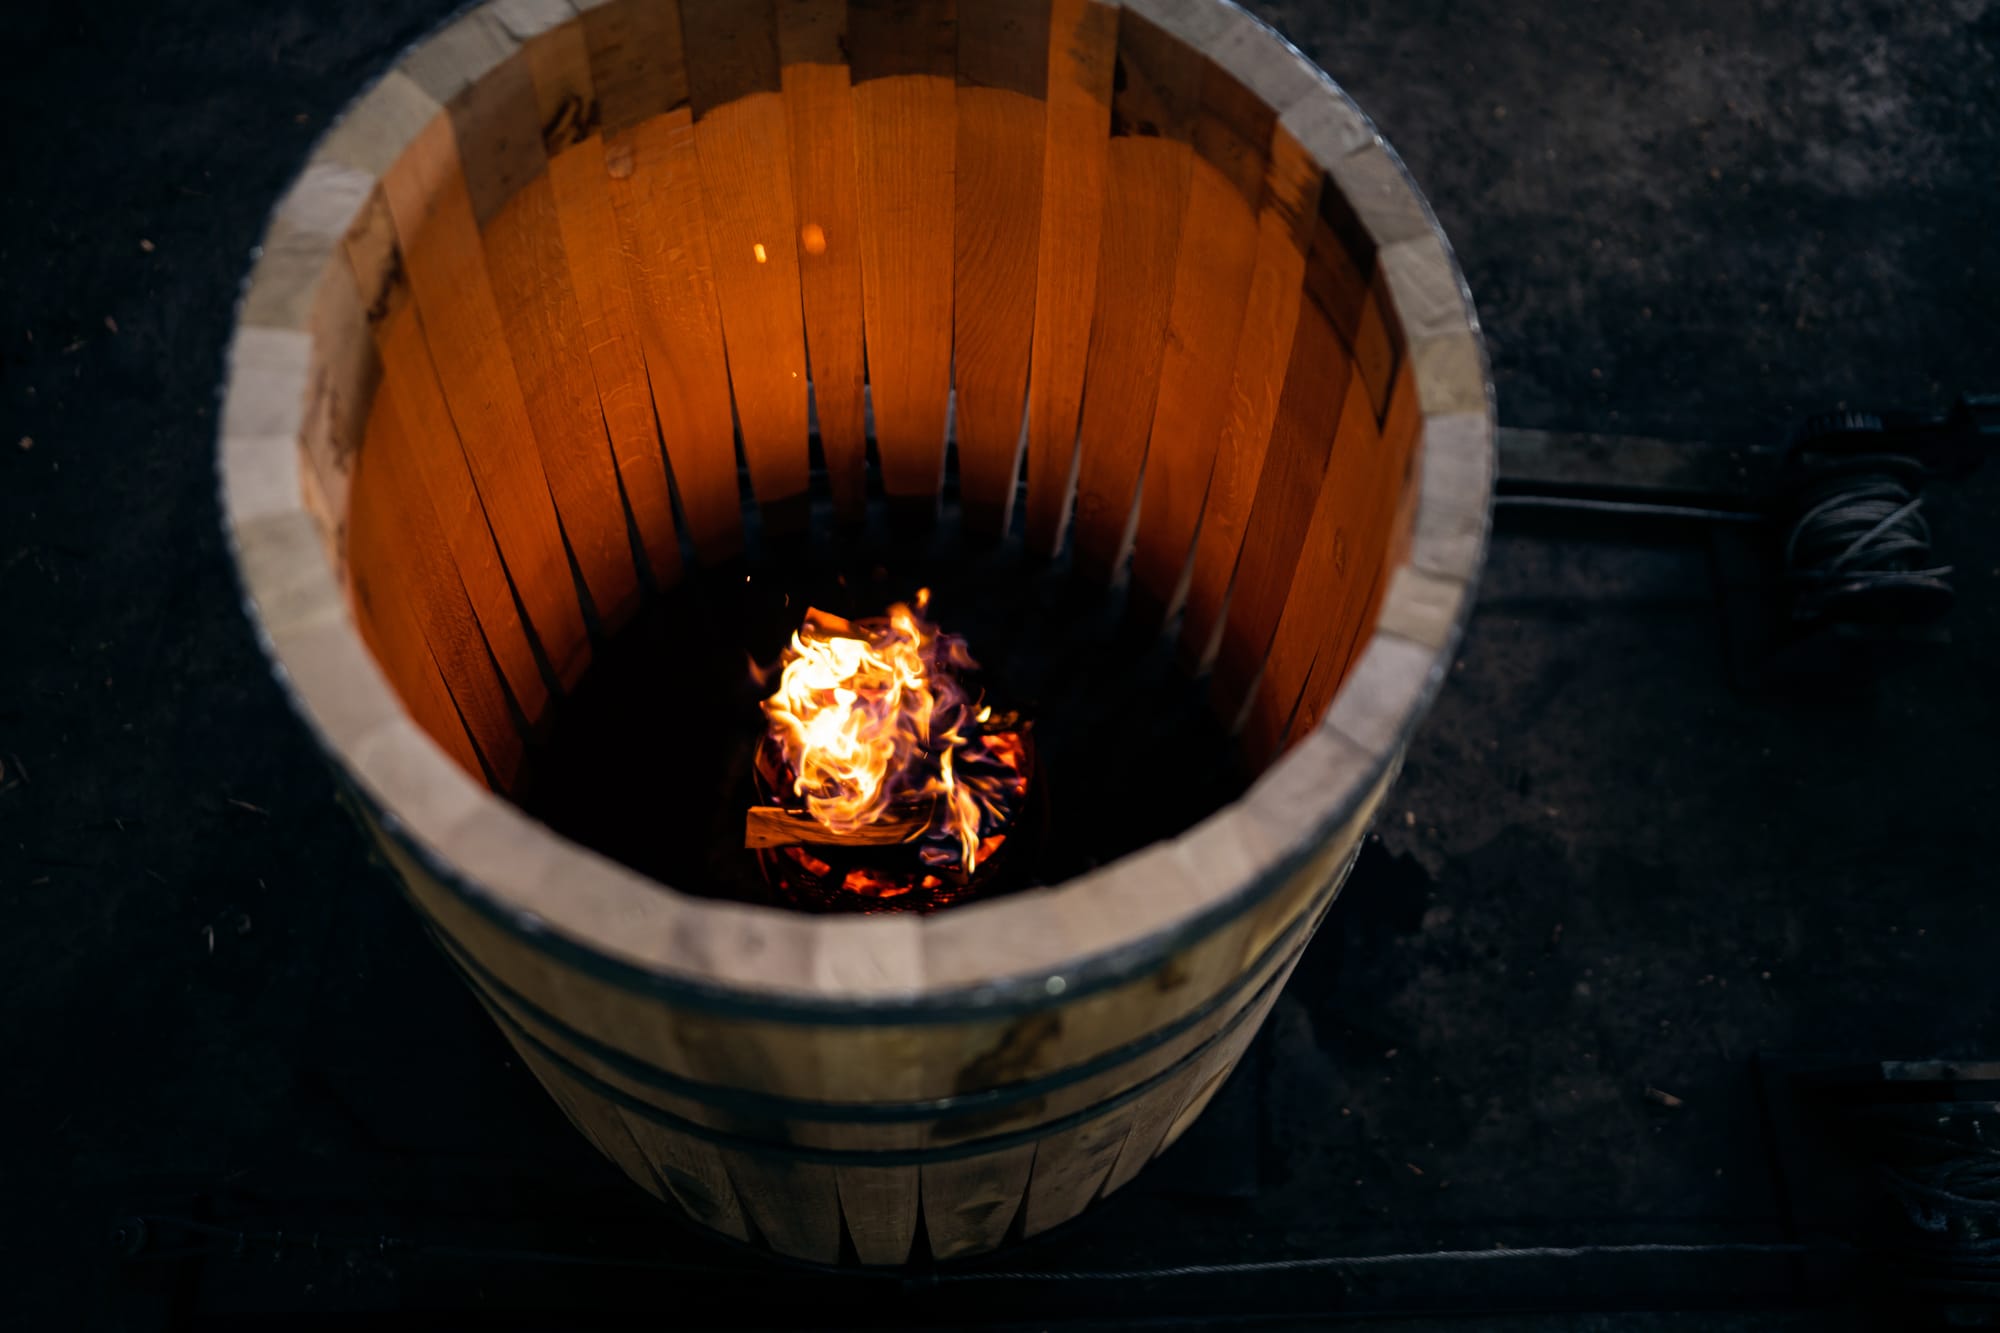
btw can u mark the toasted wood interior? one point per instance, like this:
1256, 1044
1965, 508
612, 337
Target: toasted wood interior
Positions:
587, 298
605, 286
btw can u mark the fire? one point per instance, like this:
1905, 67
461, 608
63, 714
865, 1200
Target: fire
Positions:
872, 723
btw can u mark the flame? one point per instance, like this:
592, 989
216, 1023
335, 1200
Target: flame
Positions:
870, 714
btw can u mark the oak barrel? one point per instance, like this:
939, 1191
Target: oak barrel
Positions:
1144, 281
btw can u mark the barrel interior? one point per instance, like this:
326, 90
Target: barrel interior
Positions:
597, 322
669, 289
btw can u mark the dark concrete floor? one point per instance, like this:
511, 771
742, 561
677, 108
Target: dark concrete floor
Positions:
1604, 870
1698, 220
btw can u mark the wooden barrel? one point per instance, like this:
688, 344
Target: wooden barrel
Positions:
1143, 267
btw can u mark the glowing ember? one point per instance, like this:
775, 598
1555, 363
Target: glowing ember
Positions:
874, 741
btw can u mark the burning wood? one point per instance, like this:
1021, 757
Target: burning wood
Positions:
775, 826
874, 742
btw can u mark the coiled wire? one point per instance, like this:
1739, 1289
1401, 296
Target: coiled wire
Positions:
1862, 524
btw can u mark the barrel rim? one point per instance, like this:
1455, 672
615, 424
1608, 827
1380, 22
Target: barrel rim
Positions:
1040, 947
734, 1099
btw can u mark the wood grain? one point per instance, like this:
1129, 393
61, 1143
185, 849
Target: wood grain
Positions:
1083, 37
905, 121
795, 1206
652, 179
532, 285
1002, 79
742, 143
1316, 384
439, 237
637, 68
970, 1203
1373, 515
1284, 233
608, 309
1217, 1070
819, 116
612, 164
1333, 560
880, 1207
568, 113
295, 287
389, 628
1071, 1168
375, 265
692, 1172
388, 625
654, 182
1146, 186
1211, 287
401, 552
1153, 116
1339, 275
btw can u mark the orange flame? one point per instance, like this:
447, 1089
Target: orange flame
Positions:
869, 714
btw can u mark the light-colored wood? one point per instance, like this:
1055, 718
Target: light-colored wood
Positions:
751, 229
459, 57
1147, 182
1336, 277
697, 1043
1003, 70
880, 1207
775, 826
1321, 118
442, 255
401, 551
652, 179
652, 175
532, 287
1377, 192
1083, 38
1309, 637
636, 64
567, 111
270, 368
558, 60
1072, 1167
1149, 1126
819, 115
970, 1203
410, 382
1155, 1115
1284, 230
1211, 286
905, 119
388, 625
742, 143
795, 1206
1245, 959
1360, 605
1161, 1117
1153, 116
1317, 382
1338, 570
1457, 489
1214, 1075
294, 288
610, 327
692, 1172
